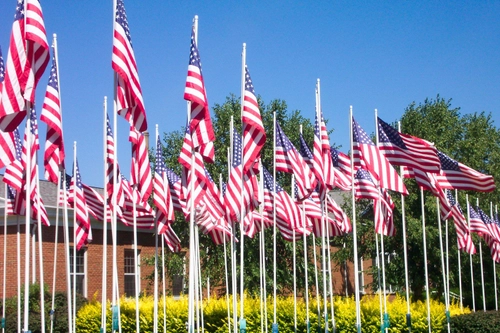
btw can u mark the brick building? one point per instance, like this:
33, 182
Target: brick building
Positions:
89, 259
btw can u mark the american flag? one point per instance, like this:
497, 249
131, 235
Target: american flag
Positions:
64, 188
366, 155
403, 149
140, 168
455, 175
254, 134
289, 160
143, 213
173, 242
313, 212
464, 239
129, 100
364, 187
341, 218
33, 142
114, 189
175, 186
342, 167
476, 224
51, 115
82, 223
233, 188
6, 138
14, 172
200, 123
161, 197
492, 238
27, 59
428, 181
95, 203
322, 160
288, 215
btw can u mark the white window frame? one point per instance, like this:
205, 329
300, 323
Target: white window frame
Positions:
129, 255
83, 252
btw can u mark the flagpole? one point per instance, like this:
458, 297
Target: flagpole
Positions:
460, 267
66, 254
136, 263
304, 237
58, 203
5, 257
74, 235
482, 270
377, 264
243, 325
294, 265
385, 321
104, 223
27, 221
233, 241
470, 255
424, 241
354, 233
405, 253
275, 322
494, 263
225, 266
262, 243
330, 282
445, 287
155, 293
323, 233
18, 255
40, 254
163, 285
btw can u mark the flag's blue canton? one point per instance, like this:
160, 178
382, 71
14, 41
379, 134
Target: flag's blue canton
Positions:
194, 55
304, 149
486, 219
67, 178
236, 149
108, 127
78, 177
224, 188
473, 214
316, 127
121, 19
447, 163
269, 181
387, 133
18, 144
33, 124
296, 190
2, 67
248, 81
11, 192
208, 175
335, 156
359, 135
171, 176
363, 175
53, 81
281, 139
19, 15
452, 201
160, 163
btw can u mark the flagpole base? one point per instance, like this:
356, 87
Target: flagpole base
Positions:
275, 328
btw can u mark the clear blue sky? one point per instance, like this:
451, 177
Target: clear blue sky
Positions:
371, 55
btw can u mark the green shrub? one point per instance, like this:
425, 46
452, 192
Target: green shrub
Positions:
484, 322
215, 315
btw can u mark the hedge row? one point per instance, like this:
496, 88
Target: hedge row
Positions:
215, 315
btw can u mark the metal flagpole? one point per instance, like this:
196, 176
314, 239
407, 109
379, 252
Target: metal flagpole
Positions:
424, 241
354, 233
482, 270
74, 237
275, 321
155, 292
470, 256
233, 239
243, 324
377, 264
5, 257
330, 282
263, 244
405, 253
104, 286
306, 288
459, 268
494, 263
294, 265
446, 293
225, 264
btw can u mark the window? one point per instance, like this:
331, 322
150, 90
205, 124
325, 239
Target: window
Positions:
78, 270
130, 272
361, 276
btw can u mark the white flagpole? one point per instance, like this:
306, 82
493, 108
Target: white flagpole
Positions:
482, 270
136, 263
74, 236
163, 276
294, 266
27, 221
233, 240
494, 263
275, 322
405, 252
304, 237
354, 232
385, 321
318, 302
377, 264
424, 241
243, 324
447, 256
155, 292
40, 256
330, 282
323, 233
105, 222
56, 242
470, 256
459, 267
225, 265
263, 245
18, 255
443, 269
5, 255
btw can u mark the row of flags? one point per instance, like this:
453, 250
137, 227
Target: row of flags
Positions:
371, 173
